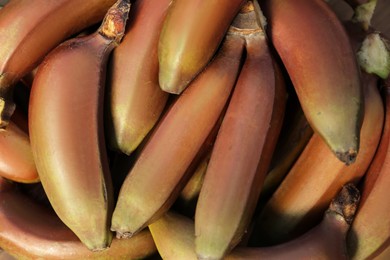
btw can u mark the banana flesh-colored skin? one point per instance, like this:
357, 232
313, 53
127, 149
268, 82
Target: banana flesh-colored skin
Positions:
29, 230
191, 34
175, 239
323, 69
317, 175
241, 155
17, 162
135, 98
153, 182
370, 232
30, 29
66, 130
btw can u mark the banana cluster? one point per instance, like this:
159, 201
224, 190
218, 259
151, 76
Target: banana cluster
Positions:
240, 129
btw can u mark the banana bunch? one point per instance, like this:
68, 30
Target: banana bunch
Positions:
241, 129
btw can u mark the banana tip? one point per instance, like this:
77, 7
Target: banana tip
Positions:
7, 108
347, 157
123, 235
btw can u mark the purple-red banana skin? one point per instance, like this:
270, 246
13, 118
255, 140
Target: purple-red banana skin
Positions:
242, 150
175, 142
135, 98
369, 236
175, 239
191, 34
317, 175
30, 29
66, 130
29, 230
16, 158
315, 49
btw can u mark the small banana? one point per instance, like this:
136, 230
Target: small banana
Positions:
66, 129
30, 29
135, 98
244, 145
29, 230
191, 34
159, 173
323, 69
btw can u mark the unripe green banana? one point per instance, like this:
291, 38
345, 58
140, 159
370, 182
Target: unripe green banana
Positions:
30, 29
135, 99
191, 34
244, 146
66, 129
159, 173
29, 230
315, 49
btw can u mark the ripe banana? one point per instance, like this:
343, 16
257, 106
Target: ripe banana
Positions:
159, 172
327, 240
135, 98
30, 29
66, 129
16, 158
244, 145
29, 230
323, 70
175, 239
317, 175
191, 34
295, 134
370, 232
188, 197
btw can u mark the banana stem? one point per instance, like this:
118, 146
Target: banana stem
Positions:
114, 23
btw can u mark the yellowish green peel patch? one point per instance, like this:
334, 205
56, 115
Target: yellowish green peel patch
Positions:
374, 55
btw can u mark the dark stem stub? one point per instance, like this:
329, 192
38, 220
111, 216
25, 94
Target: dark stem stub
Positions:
346, 202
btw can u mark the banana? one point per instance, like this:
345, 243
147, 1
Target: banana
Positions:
243, 148
191, 34
66, 129
316, 176
16, 158
159, 173
315, 49
327, 240
29, 230
135, 98
188, 197
370, 232
295, 134
175, 239
30, 29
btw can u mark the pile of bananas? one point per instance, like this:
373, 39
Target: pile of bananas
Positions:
240, 129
